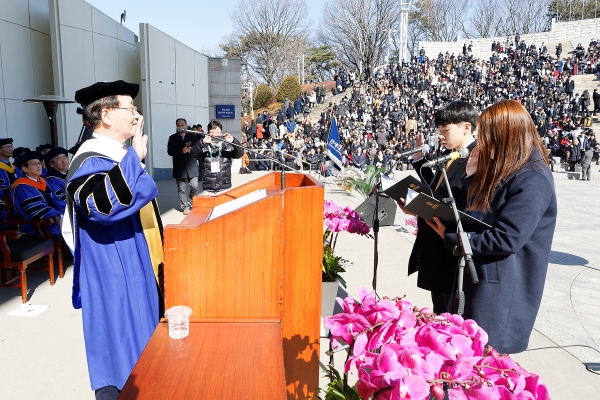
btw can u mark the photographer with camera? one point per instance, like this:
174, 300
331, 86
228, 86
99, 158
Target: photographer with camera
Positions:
215, 157
185, 167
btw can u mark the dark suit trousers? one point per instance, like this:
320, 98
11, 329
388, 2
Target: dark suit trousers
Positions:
184, 202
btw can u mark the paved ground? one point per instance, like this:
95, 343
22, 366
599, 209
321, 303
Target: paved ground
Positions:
43, 357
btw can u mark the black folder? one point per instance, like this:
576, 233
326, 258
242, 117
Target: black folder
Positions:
428, 205
400, 188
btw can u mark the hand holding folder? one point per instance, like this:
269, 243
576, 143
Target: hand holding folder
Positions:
421, 201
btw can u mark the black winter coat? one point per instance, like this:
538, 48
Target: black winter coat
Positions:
436, 264
216, 181
184, 165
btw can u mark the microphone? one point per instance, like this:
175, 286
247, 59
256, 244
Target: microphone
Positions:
422, 149
463, 152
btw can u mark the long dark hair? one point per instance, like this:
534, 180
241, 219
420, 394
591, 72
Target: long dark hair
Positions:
506, 136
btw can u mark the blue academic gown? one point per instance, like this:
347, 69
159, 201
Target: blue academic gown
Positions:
113, 279
56, 182
6, 179
31, 203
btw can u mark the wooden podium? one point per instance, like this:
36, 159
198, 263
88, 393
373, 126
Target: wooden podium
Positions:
251, 270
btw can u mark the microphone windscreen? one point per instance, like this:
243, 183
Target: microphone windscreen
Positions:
464, 152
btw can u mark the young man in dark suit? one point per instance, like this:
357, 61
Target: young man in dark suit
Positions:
435, 264
185, 167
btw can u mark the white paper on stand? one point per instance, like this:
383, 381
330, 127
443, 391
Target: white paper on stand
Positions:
29, 310
238, 203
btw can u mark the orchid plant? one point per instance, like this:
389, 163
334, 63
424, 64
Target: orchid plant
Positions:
402, 352
338, 220
412, 221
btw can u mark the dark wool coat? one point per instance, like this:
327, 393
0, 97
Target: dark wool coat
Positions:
184, 165
512, 258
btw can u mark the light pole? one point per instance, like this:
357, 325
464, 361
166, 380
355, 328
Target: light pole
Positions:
405, 6
251, 101
302, 69
389, 44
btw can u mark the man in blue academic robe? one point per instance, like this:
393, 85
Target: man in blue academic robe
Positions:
31, 197
8, 172
57, 163
115, 263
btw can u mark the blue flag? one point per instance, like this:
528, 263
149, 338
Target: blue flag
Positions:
334, 148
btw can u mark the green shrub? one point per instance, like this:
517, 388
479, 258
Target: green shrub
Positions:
290, 88
261, 96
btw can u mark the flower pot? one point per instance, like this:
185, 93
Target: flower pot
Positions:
328, 293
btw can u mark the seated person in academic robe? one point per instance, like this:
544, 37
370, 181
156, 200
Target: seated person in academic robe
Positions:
42, 150
31, 197
57, 164
8, 172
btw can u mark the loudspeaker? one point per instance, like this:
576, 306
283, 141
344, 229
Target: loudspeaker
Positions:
387, 210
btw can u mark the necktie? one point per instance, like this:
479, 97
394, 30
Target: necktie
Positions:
448, 164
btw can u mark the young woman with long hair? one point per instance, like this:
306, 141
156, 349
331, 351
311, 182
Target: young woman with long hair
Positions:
510, 187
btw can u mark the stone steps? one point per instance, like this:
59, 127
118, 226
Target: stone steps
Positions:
315, 113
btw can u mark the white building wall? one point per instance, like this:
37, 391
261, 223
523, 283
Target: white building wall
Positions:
25, 70
174, 85
87, 46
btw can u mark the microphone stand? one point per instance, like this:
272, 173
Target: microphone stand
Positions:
239, 146
465, 253
376, 233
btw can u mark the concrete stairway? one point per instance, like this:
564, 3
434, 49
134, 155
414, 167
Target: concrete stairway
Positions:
567, 50
315, 113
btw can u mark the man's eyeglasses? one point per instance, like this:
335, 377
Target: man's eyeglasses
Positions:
34, 164
6, 146
133, 109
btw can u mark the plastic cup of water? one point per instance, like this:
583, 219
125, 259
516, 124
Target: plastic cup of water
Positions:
179, 321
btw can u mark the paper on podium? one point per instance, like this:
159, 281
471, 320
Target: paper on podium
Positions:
238, 203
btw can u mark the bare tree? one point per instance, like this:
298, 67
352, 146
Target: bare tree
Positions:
356, 30
526, 16
442, 20
270, 36
486, 19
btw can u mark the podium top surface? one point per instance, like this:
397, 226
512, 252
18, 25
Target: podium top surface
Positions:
218, 360
203, 205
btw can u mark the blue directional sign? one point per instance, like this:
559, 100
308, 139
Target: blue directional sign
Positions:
225, 111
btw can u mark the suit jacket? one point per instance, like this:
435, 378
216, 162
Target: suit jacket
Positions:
184, 165
435, 263
511, 258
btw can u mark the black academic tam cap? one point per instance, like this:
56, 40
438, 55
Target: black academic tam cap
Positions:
4, 141
20, 150
43, 147
23, 158
100, 90
53, 153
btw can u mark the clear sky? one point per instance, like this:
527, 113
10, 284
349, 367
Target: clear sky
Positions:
200, 24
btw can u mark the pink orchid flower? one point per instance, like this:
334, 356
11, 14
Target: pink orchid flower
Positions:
345, 326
